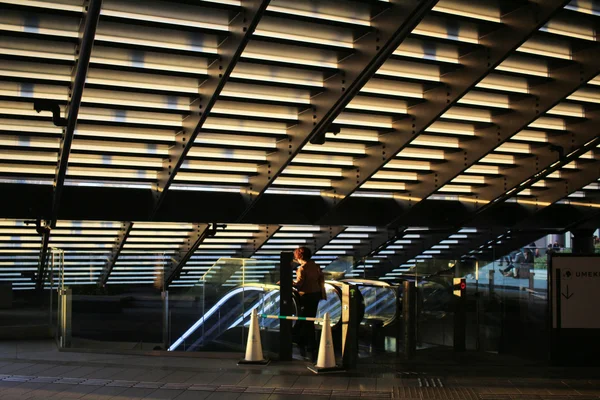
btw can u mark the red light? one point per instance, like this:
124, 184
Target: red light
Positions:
463, 285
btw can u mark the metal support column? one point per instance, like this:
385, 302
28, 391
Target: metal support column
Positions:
285, 305
166, 320
409, 314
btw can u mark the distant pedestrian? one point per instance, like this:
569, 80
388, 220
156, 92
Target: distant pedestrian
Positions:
518, 259
549, 251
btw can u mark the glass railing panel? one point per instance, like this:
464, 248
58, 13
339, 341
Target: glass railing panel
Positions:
266, 273
434, 301
220, 327
214, 313
200, 312
339, 268
379, 299
125, 312
331, 305
24, 310
380, 302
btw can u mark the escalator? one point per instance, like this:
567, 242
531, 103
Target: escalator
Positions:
223, 326
379, 327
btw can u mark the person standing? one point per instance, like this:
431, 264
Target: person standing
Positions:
311, 287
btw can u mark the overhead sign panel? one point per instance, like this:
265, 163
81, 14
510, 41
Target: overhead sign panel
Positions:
576, 292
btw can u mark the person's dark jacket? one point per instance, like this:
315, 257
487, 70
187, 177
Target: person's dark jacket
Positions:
309, 278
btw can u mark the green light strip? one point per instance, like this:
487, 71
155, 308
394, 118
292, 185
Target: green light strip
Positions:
290, 317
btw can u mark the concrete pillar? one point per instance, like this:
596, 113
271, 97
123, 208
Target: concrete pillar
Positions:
583, 241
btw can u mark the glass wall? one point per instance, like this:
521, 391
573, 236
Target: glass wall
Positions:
113, 313
213, 314
505, 303
28, 309
511, 294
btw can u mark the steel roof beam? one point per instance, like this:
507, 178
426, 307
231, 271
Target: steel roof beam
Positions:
388, 31
590, 223
327, 234
186, 251
383, 238
516, 241
97, 203
564, 81
241, 29
567, 182
476, 242
83, 53
494, 48
411, 252
571, 182
580, 137
44, 230
520, 238
375, 243
588, 171
567, 178
492, 250
118, 247
266, 232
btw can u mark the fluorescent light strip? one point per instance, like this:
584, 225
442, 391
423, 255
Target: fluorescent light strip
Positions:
318, 15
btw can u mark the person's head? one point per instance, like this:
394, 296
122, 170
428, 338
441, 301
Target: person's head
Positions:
302, 254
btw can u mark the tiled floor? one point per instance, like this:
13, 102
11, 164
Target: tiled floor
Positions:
36, 370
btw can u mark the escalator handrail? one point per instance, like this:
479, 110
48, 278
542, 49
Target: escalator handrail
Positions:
380, 284
249, 286
366, 282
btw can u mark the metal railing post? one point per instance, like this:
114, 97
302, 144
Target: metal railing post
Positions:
65, 318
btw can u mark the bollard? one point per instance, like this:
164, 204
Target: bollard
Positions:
531, 281
166, 323
65, 296
491, 282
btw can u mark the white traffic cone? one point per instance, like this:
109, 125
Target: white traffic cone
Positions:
326, 358
254, 353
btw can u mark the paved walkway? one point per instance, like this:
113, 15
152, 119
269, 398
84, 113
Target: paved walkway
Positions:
36, 370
